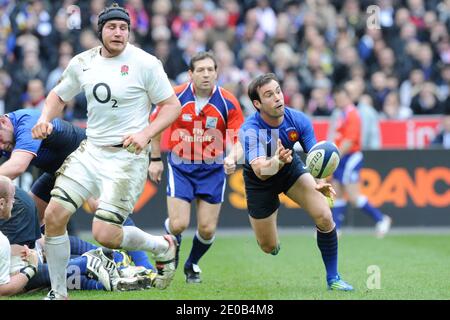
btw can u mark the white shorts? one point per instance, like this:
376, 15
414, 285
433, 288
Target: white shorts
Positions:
111, 174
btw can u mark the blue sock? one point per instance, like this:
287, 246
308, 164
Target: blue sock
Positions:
339, 209
199, 248
90, 284
117, 257
78, 246
373, 212
139, 257
328, 245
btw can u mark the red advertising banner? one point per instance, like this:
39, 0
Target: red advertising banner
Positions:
415, 133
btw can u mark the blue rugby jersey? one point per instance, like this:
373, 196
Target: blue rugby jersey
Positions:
260, 140
49, 153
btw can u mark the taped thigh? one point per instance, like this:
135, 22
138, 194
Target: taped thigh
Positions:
111, 214
69, 193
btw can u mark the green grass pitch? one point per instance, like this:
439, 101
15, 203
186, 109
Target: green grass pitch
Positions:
415, 266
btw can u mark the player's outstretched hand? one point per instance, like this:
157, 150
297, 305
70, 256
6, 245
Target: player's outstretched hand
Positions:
135, 142
229, 165
155, 171
326, 189
284, 155
41, 130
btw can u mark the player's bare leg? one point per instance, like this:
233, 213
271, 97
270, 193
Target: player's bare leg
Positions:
266, 233
207, 218
179, 212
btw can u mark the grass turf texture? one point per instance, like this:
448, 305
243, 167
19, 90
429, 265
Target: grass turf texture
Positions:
411, 266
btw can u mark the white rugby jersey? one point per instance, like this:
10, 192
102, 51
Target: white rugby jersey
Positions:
119, 91
5, 259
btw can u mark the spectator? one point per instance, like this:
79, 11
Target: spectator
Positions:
320, 104
410, 87
378, 89
393, 109
426, 101
220, 30
35, 95
442, 139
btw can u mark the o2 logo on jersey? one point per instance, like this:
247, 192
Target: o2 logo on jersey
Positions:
99, 91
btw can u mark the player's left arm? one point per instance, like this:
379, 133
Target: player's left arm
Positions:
16, 164
17, 282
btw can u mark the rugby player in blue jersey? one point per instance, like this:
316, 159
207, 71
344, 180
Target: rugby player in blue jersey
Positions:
272, 168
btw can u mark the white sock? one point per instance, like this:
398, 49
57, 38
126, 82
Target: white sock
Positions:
167, 225
136, 239
204, 241
57, 251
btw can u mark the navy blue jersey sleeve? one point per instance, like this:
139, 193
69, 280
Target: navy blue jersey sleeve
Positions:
308, 137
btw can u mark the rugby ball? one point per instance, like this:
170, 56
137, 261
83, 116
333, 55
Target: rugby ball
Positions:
323, 159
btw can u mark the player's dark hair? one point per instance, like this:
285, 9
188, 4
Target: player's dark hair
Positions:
202, 56
257, 83
113, 12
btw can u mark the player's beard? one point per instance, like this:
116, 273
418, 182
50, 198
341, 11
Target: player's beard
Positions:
114, 50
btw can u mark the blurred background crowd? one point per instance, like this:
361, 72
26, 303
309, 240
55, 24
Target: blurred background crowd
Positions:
393, 58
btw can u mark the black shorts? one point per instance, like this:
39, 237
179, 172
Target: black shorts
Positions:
262, 196
43, 186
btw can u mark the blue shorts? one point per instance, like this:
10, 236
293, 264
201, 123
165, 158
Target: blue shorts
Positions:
190, 181
23, 226
43, 186
349, 168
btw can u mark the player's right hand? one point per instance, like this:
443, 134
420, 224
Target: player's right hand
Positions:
284, 155
29, 256
41, 130
155, 171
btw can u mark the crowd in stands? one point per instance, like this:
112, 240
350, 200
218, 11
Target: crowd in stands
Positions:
393, 57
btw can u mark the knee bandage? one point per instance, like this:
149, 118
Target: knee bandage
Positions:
71, 201
110, 216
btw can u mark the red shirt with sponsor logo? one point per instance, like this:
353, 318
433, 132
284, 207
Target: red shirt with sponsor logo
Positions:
349, 128
203, 135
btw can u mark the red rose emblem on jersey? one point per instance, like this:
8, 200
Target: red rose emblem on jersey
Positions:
124, 70
293, 135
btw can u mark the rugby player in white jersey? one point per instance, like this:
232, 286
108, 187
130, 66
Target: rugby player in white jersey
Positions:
120, 82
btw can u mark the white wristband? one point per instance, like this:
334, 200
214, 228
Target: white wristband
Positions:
29, 271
